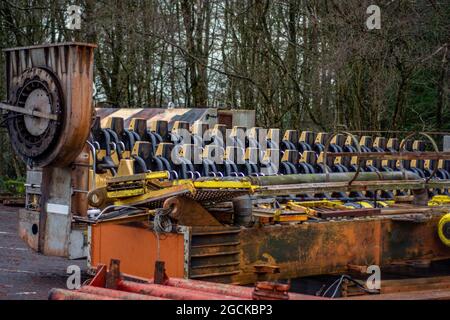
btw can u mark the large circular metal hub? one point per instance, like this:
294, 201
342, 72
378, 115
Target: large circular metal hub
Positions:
33, 137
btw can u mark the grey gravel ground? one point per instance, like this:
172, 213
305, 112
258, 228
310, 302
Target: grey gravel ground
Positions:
25, 274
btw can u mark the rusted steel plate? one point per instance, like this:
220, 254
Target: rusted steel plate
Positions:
399, 285
389, 288
412, 241
308, 249
350, 213
214, 253
328, 247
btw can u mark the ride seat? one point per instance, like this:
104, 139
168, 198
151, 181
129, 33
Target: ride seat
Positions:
290, 140
306, 141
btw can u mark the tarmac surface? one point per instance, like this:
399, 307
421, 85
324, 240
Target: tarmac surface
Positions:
25, 274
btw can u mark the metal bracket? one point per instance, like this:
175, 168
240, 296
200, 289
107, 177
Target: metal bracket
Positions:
24, 111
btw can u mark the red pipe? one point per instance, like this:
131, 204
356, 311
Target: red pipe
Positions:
116, 294
222, 288
139, 291
217, 288
170, 292
62, 294
227, 289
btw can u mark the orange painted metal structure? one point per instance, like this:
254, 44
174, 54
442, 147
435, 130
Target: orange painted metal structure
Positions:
136, 247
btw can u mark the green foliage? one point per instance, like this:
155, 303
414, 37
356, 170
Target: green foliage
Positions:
15, 187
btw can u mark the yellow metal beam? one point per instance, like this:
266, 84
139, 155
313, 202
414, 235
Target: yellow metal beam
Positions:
155, 195
218, 184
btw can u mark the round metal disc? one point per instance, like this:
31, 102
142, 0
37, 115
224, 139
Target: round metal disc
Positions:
33, 138
38, 100
65, 73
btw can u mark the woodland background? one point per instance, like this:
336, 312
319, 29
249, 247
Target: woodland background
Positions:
301, 64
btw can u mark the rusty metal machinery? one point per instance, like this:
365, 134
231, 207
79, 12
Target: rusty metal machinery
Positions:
32, 135
305, 220
48, 116
49, 108
335, 200
224, 226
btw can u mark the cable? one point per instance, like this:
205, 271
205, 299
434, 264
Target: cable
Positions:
331, 286
337, 287
113, 206
161, 221
338, 283
161, 224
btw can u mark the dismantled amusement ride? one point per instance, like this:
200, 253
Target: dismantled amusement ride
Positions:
213, 201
